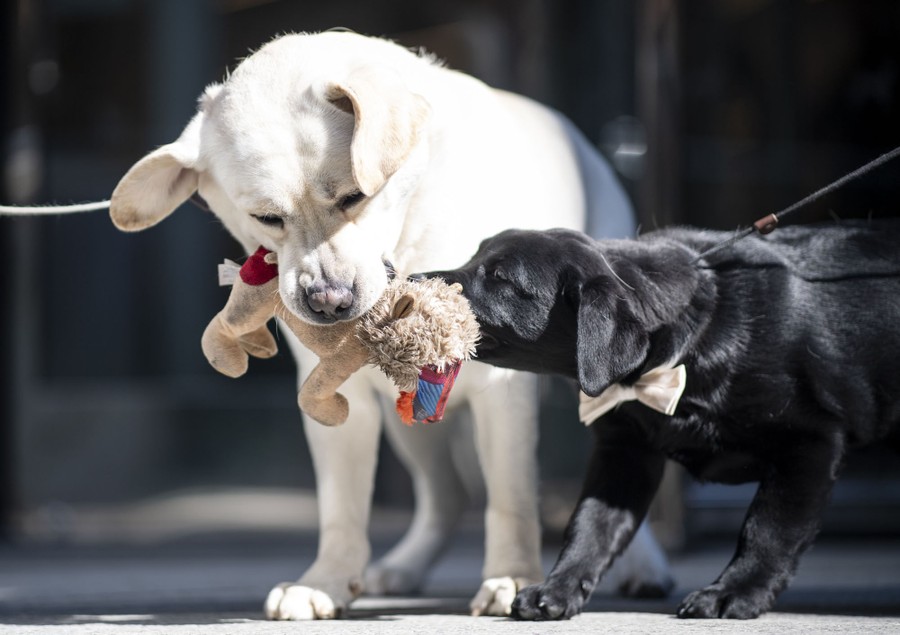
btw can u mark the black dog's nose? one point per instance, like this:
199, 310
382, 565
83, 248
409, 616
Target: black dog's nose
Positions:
389, 269
332, 301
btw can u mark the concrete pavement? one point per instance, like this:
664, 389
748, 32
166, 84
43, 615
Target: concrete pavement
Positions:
216, 585
438, 623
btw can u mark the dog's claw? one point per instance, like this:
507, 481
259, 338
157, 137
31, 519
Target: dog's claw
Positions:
716, 601
548, 602
291, 601
496, 596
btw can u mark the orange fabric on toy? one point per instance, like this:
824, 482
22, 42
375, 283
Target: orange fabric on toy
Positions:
405, 407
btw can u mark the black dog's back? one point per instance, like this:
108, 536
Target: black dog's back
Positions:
815, 313
813, 252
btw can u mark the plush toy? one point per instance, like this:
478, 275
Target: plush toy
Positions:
418, 333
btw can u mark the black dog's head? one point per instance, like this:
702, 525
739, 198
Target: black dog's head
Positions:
557, 301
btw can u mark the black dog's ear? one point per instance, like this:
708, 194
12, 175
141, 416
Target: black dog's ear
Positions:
612, 340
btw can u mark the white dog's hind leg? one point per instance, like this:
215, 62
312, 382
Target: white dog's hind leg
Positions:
440, 499
505, 413
642, 570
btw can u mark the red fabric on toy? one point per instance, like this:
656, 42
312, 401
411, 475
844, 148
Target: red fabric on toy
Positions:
426, 404
256, 270
433, 391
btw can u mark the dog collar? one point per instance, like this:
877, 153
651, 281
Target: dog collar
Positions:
659, 389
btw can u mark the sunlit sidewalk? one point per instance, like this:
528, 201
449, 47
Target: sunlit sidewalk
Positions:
216, 584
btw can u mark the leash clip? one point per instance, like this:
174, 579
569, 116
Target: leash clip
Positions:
766, 224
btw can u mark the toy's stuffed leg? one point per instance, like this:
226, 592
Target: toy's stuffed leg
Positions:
240, 328
318, 395
259, 343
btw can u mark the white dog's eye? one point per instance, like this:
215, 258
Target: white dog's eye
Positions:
276, 222
350, 200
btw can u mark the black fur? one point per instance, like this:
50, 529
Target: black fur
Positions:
792, 349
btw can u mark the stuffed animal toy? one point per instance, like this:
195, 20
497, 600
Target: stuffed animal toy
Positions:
418, 333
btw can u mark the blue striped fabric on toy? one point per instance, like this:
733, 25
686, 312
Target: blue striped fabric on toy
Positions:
426, 401
432, 392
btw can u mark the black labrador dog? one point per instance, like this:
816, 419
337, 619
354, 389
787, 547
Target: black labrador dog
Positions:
790, 346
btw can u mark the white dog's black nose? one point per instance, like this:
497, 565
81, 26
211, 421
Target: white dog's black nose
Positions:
332, 301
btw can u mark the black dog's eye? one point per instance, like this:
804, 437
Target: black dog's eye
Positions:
507, 282
276, 222
350, 200
500, 274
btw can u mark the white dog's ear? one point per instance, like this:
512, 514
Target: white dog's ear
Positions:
388, 122
158, 183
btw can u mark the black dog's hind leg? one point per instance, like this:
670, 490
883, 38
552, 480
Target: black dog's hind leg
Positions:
781, 523
623, 475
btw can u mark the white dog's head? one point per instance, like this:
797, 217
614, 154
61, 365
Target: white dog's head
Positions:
311, 148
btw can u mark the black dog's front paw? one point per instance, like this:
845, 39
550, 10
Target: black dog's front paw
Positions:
550, 601
718, 601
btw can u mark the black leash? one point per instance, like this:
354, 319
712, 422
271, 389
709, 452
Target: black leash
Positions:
767, 224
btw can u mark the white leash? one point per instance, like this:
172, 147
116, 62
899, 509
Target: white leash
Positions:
25, 210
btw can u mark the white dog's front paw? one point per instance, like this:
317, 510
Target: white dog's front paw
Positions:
496, 595
292, 601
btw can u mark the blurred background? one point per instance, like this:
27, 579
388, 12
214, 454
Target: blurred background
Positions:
113, 428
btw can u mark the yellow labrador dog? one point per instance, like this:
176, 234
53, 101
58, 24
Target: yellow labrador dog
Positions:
341, 152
